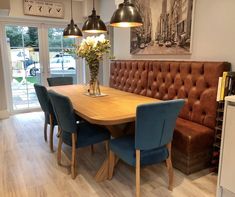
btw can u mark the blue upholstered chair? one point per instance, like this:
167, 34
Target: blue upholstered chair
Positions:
47, 108
59, 81
73, 134
152, 141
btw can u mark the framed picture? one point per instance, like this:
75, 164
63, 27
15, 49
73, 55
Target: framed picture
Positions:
44, 8
167, 27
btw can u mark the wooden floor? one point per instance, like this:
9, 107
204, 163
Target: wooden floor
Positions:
28, 169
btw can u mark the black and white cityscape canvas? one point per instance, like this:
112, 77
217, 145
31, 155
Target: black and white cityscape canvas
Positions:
167, 27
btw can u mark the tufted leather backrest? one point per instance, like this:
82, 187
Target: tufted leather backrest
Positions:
129, 76
194, 81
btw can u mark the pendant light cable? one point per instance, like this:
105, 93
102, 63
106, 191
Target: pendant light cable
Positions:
72, 30
71, 9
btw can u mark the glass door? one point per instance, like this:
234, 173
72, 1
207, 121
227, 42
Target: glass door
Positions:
61, 63
35, 53
23, 52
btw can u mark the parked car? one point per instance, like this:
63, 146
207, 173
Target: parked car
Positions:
56, 64
27, 62
63, 63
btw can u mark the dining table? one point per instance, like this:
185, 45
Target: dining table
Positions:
114, 109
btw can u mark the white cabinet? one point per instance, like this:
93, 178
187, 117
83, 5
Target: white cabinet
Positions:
226, 176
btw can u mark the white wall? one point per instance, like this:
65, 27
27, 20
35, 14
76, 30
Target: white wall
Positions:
4, 4
105, 9
213, 33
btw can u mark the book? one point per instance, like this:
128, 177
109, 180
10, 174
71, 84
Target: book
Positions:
231, 84
219, 89
223, 85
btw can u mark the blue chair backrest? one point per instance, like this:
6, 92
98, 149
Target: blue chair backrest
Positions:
43, 98
59, 81
155, 123
64, 112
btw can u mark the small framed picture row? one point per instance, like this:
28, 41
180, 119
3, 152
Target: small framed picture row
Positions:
44, 8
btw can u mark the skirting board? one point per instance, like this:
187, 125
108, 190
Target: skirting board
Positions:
4, 114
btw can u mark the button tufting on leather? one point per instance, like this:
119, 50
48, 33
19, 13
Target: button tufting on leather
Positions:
194, 81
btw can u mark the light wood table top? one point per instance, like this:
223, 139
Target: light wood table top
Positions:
116, 107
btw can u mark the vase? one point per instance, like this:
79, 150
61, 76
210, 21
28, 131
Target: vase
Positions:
94, 86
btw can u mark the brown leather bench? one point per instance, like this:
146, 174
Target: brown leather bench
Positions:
194, 81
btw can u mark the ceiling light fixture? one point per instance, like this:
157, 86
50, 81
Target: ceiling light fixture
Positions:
94, 24
72, 30
126, 16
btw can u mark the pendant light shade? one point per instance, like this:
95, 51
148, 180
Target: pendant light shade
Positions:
94, 24
72, 30
126, 16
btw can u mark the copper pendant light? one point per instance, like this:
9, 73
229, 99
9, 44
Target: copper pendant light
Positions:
72, 30
94, 24
126, 16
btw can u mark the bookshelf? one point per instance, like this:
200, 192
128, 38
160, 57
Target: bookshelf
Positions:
226, 183
218, 133
226, 87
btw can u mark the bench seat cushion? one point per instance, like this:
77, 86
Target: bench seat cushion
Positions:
190, 137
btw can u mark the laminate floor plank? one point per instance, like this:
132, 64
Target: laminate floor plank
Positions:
29, 169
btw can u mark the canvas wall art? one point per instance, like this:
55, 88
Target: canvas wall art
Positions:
167, 27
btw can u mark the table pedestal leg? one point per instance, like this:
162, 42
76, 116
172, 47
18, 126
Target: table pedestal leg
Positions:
106, 170
103, 172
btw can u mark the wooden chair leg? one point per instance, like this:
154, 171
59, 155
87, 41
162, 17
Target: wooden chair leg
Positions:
45, 129
112, 162
170, 168
92, 149
137, 173
59, 150
51, 133
73, 162
59, 132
